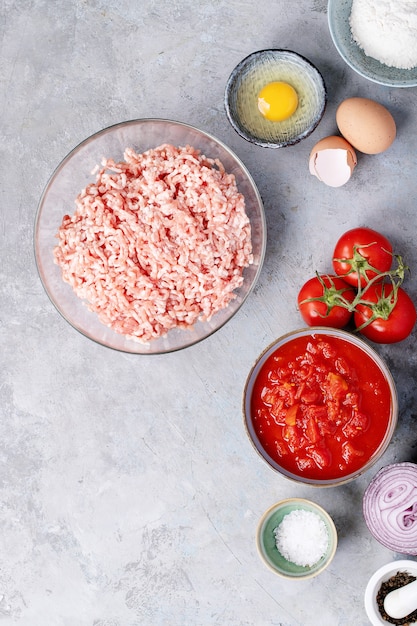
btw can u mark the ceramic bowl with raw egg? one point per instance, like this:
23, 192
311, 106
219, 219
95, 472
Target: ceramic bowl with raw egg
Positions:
339, 13
320, 406
275, 98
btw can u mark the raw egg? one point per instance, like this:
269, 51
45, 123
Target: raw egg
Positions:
367, 125
277, 101
300, 109
332, 161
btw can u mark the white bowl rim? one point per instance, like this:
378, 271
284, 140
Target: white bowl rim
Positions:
382, 574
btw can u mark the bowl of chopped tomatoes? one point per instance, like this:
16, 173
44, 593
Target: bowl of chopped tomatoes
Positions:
320, 406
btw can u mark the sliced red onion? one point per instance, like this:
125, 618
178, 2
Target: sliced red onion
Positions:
390, 507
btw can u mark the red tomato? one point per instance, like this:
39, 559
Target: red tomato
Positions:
392, 326
360, 254
318, 301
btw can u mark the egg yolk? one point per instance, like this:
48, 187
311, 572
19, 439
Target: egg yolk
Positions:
277, 101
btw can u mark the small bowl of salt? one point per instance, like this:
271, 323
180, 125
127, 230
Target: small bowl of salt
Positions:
296, 538
376, 39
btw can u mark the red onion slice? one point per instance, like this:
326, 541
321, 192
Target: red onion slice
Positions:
390, 507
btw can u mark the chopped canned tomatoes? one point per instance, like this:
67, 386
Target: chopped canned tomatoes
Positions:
320, 406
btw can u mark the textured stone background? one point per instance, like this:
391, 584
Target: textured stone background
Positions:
129, 493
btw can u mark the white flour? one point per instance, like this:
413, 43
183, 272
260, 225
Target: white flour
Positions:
386, 30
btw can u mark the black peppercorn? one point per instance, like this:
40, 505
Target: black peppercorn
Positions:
400, 579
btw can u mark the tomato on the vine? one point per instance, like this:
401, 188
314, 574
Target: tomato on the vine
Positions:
360, 255
321, 301
392, 315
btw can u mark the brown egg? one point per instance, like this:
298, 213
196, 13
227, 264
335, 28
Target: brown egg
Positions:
366, 124
332, 160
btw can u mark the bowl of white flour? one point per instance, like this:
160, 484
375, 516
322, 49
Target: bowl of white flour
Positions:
377, 38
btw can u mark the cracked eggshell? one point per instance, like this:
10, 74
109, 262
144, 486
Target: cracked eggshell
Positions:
367, 125
332, 160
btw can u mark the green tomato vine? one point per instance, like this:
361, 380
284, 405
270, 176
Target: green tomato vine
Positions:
359, 264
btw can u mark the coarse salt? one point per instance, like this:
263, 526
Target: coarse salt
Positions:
386, 30
302, 537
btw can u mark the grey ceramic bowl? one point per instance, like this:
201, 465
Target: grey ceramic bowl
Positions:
74, 173
259, 69
267, 549
348, 339
338, 17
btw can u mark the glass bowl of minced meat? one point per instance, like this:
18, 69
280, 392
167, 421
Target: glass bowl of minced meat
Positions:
149, 236
296, 538
377, 39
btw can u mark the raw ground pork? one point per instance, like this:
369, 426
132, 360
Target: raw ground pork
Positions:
159, 241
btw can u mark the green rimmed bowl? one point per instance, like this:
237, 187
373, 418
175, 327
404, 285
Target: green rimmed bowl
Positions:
268, 551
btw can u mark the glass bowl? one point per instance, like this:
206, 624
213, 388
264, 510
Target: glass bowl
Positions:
338, 12
76, 171
266, 543
252, 74
295, 434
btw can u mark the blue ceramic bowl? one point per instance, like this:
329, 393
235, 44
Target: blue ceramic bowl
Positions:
338, 12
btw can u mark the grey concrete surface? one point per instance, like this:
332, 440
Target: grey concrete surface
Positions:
129, 493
